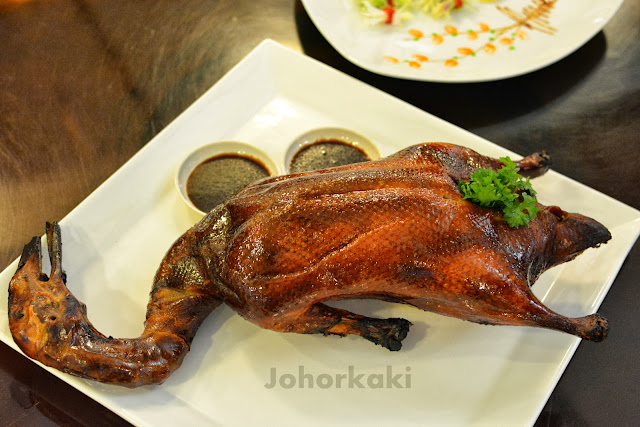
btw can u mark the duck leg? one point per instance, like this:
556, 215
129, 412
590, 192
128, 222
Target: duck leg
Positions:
322, 319
50, 325
515, 305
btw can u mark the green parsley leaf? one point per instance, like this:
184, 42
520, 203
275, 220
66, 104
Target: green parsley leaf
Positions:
504, 189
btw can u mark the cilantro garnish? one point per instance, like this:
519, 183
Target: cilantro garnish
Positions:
504, 189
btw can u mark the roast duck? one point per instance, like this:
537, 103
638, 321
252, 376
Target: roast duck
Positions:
395, 229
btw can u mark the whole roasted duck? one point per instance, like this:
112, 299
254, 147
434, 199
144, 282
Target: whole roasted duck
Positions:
395, 229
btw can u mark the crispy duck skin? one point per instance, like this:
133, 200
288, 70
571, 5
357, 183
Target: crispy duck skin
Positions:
395, 229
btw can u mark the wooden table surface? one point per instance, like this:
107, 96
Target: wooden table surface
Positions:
85, 84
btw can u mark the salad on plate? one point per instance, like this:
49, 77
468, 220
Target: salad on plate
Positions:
392, 12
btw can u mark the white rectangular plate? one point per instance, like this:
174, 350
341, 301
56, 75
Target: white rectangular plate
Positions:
449, 371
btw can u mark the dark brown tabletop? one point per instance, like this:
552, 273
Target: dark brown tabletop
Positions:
85, 84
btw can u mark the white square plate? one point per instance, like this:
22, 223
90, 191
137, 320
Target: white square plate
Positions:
449, 371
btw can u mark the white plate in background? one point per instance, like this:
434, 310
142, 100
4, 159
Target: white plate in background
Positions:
471, 46
452, 372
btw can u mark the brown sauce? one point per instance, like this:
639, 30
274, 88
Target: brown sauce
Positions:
326, 153
218, 178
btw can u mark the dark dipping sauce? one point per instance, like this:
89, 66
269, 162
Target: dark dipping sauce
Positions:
326, 153
218, 178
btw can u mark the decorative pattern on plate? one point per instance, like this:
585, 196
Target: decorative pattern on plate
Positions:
487, 40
